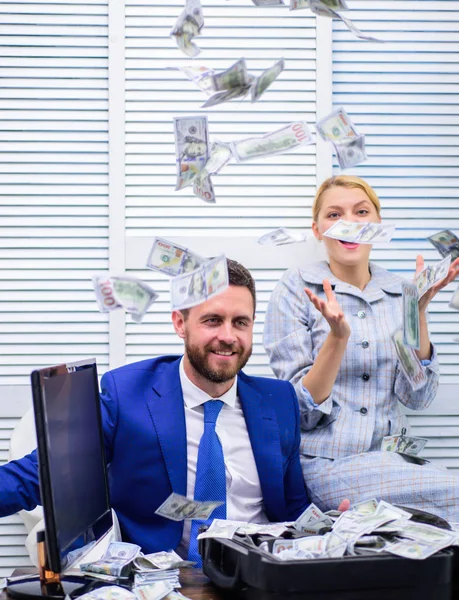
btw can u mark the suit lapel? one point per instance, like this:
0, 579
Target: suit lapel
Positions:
264, 436
168, 414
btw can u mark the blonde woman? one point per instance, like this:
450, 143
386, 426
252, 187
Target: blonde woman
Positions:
328, 331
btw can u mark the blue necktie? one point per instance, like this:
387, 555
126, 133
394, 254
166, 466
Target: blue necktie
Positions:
210, 475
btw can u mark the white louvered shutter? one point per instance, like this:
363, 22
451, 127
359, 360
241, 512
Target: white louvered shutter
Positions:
404, 96
53, 201
252, 197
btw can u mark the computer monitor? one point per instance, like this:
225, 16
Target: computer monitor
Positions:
72, 469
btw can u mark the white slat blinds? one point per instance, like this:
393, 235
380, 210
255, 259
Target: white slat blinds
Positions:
53, 183
53, 202
251, 198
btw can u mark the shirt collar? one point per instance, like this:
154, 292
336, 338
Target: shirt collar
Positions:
194, 396
381, 279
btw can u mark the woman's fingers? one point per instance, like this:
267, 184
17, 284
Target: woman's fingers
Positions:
328, 290
419, 264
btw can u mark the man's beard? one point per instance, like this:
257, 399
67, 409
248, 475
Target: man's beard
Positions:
199, 360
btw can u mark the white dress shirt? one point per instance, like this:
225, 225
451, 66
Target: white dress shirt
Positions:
244, 500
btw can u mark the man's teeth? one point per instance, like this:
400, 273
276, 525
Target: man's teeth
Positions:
223, 353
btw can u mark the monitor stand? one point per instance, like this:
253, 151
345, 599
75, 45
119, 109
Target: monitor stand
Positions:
48, 584
34, 588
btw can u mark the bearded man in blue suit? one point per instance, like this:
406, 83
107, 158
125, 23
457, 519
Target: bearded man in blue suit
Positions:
153, 421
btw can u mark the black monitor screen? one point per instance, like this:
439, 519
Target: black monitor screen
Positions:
73, 477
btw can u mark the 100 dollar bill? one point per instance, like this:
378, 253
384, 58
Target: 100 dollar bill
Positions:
285, 139
171, 259
409, 362
191, 148
411, 326
198, 286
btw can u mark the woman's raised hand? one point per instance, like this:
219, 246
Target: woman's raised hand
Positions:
331, 310
427, 297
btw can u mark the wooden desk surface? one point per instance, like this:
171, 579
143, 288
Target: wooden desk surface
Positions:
195, 585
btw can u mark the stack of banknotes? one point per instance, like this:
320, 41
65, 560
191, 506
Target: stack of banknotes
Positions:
156, 575
369, 528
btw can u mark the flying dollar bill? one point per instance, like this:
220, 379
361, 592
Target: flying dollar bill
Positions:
409, 362
234, 82
336, 126
203, 77
333, 4
198, 286
431, 275
191, 148
226, 95
411, 327
446, 242
131, 294
171, 259
269, 2
178, 508
188, 26
219, 156
204, 189
351, 152
292, 136
261, 83
361, 232
235, 76
281, 236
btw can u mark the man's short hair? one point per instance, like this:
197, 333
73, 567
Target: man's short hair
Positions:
237, 275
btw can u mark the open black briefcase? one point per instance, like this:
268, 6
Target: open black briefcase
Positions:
251, 574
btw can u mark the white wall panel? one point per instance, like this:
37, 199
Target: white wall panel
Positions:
53, 183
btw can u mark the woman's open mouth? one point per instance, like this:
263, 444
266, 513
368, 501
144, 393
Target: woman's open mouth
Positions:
349, 245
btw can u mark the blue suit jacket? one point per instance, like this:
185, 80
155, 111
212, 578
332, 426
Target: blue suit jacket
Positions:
145, 440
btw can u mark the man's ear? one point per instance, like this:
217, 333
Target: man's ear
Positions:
315, 231
178, 321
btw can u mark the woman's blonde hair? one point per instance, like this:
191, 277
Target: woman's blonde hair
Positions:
346, 181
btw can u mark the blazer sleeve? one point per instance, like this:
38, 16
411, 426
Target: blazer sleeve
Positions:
109, 410
19, 485
296, 497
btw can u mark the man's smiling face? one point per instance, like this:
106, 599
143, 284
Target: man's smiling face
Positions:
218, 334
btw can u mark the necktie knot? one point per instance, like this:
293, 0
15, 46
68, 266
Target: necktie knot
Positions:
212, 409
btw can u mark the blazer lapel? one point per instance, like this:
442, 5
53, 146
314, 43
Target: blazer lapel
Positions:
168, 414
264, 436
